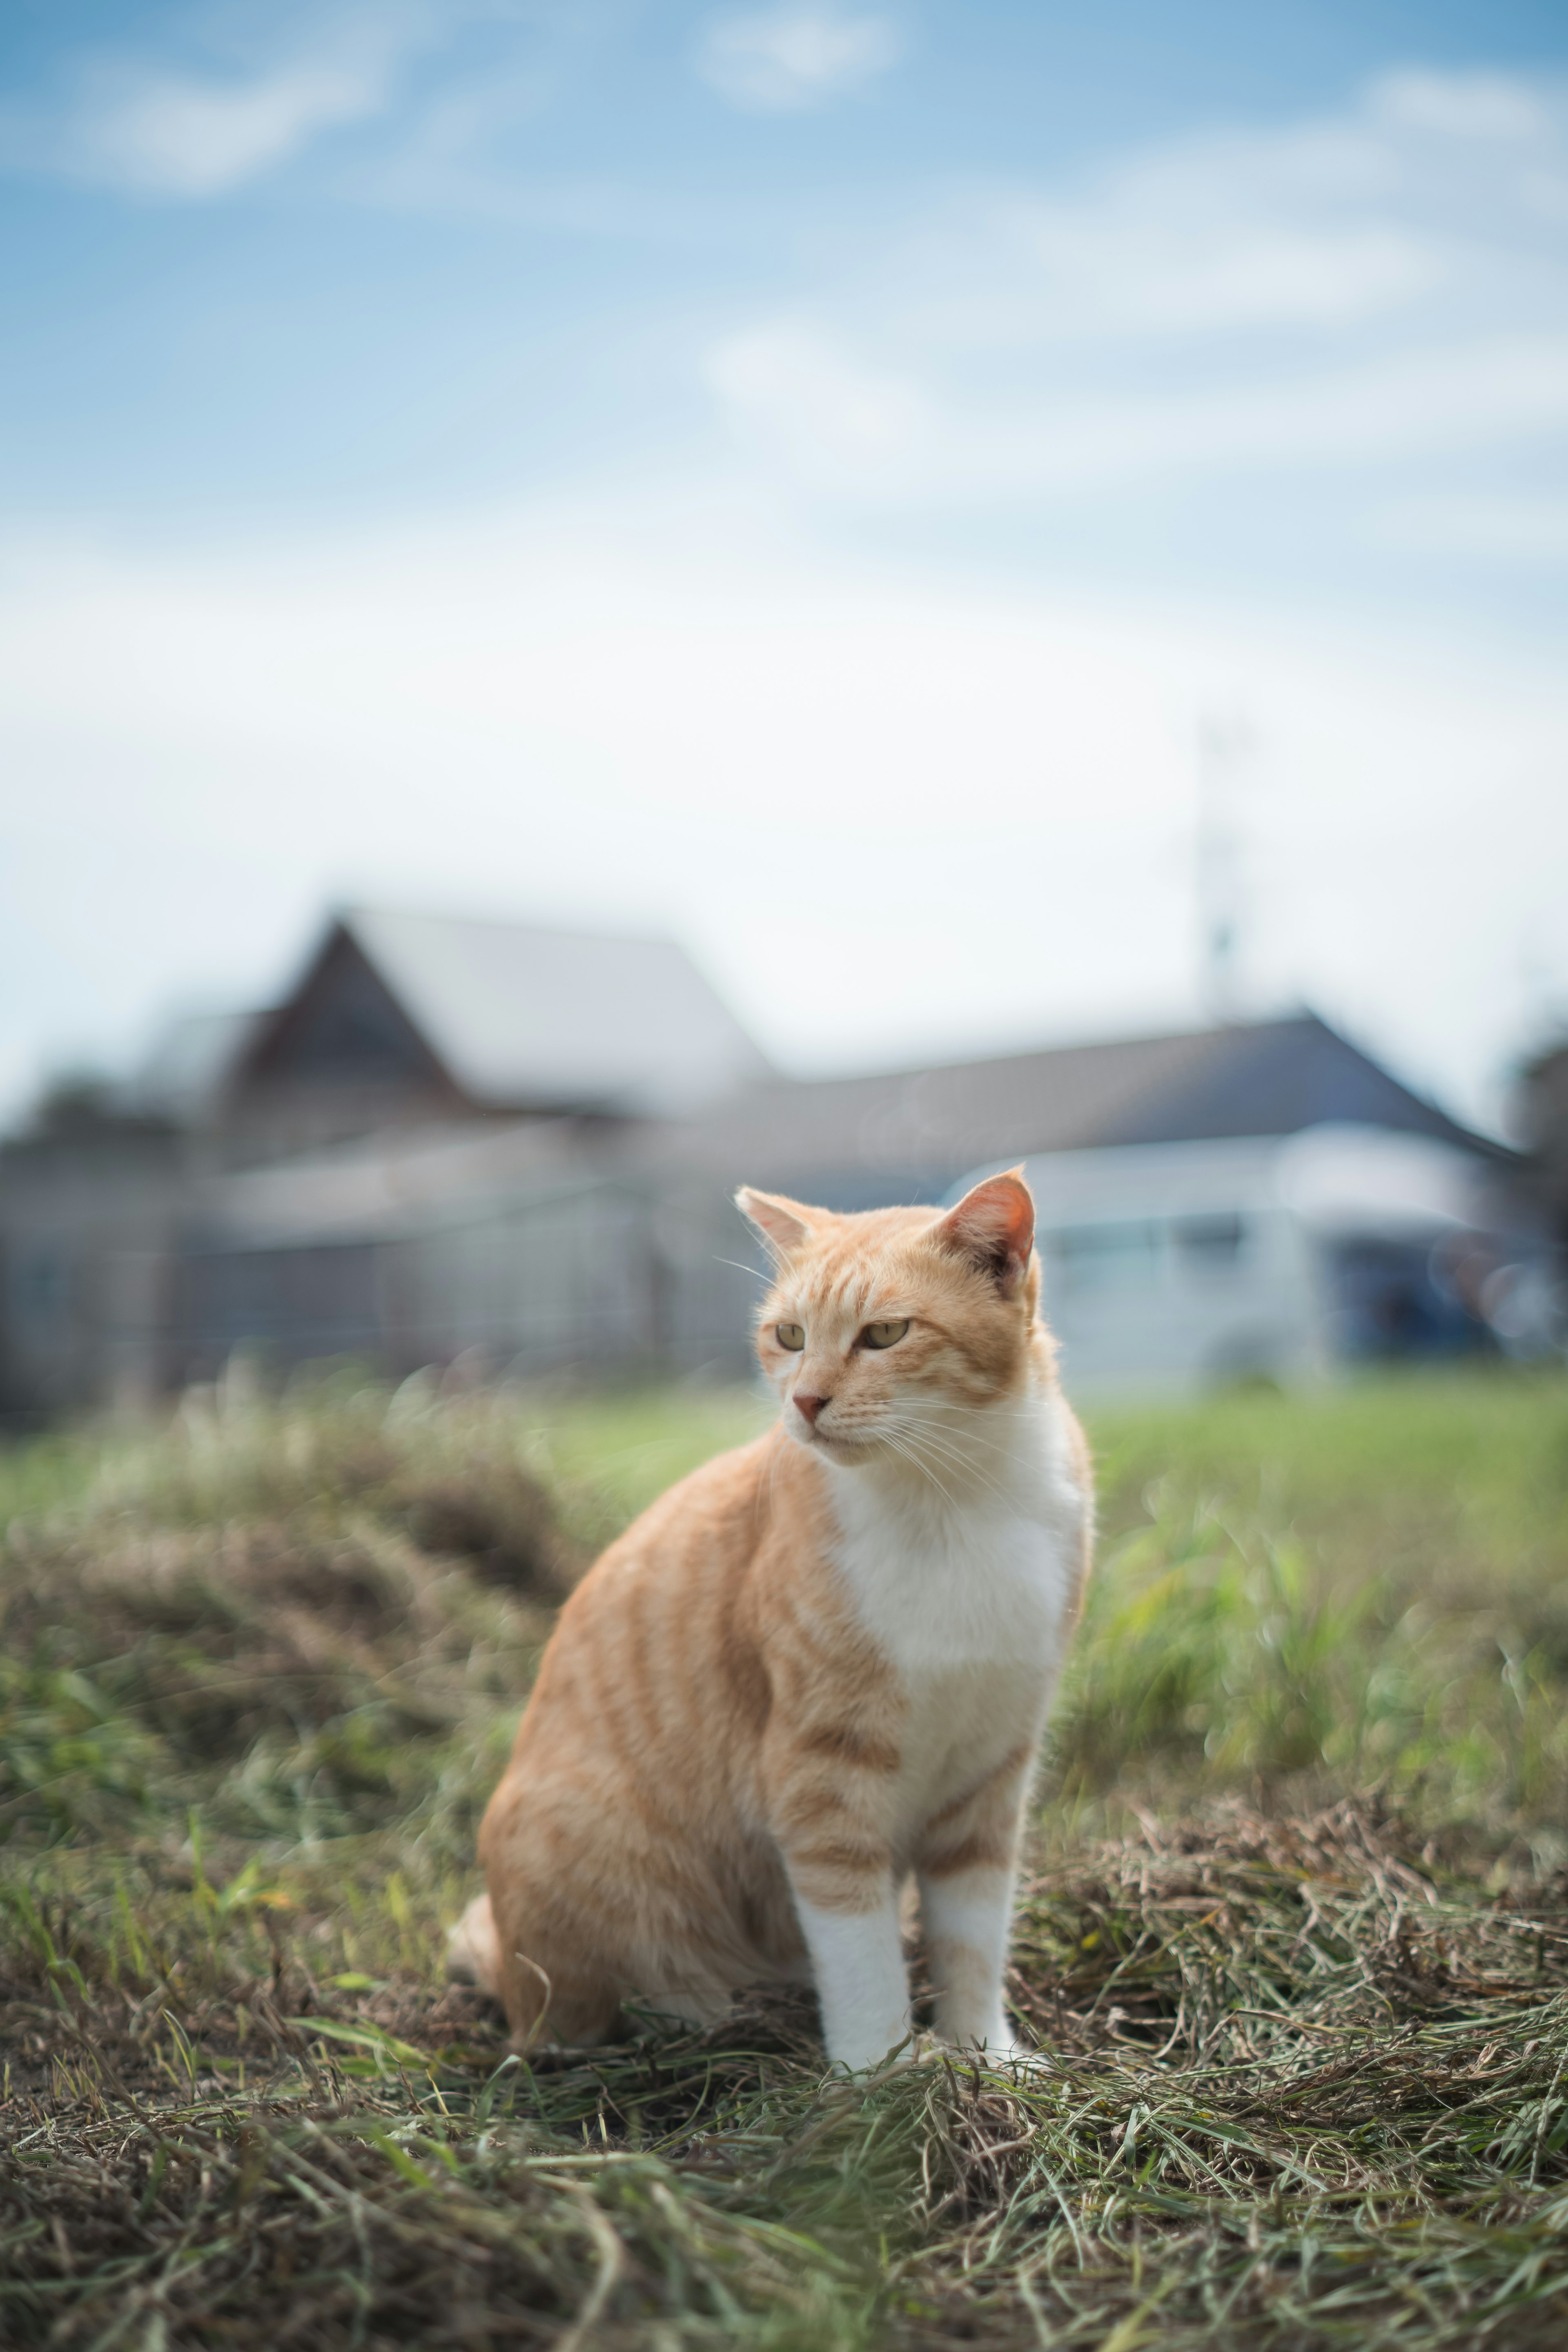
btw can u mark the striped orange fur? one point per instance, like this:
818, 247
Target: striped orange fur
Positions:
815, 1668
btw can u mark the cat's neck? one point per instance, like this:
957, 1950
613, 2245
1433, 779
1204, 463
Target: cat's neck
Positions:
943, 1459
962, 1559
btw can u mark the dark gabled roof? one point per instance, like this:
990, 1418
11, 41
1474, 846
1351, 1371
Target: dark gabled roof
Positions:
849, 1143
515, 1016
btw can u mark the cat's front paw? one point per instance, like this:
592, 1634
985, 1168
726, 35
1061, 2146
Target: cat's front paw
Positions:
913, 2050
1003, 2052
1018, 2057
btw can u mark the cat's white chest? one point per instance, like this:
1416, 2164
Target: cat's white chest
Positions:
950, 1584
968, 1600
942, 1592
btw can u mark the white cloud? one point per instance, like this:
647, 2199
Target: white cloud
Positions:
790, 387
1503, 528
171, 135
277, 80
1491, 107
786, 60
1386, 286
1388, 207
837, 421
894, 811
1192, 262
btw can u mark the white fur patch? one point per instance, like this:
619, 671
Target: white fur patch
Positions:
473, 1948
967, 1556
862, 1985
962, 1571
963, 1578
967, 1919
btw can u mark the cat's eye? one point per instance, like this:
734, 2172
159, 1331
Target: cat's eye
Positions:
884, 1335
789, 1336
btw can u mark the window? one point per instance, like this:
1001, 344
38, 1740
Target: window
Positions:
41, 1285
1120, 1254
1210, 1245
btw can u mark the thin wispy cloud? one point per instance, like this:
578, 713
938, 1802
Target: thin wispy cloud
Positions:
1500, 528
1387, 285
792, 391
842, 423
264, 87
786, 61
173, 135
1490, 106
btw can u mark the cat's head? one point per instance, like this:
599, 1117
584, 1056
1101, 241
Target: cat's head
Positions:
883, 1330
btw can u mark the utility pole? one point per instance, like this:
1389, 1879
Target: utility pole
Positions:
1225, 746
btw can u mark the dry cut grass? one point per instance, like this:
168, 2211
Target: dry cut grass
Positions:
1307, 2072
1294, 2096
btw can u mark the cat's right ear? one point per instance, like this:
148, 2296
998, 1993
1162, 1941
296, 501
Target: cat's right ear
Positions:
784, 1225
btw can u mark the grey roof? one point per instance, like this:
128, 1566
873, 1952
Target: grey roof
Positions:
521, 1014
852, 1142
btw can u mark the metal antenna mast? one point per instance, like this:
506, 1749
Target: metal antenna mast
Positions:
1224, 746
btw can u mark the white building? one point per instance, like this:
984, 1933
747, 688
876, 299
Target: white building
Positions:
1282, 1257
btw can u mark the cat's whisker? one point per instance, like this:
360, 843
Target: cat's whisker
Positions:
918, 1445
756, 1271
965, 1427
923, 1467
923, 1441
958, 1421
959, 1440
958, 1469
956, 1449
951, 1456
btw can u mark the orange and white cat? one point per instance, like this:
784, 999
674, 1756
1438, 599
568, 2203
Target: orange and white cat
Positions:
816, 1666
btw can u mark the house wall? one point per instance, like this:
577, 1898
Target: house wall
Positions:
1543, 1116
287, 1304
564, 1276
87, 1243
556, 1279
603, 1275
1170, 1266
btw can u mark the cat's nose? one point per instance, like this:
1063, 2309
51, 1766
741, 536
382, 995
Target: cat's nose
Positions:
809, 1406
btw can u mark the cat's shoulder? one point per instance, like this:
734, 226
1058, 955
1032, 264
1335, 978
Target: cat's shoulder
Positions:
718, 1514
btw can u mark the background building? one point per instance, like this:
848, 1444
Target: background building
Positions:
518, 1144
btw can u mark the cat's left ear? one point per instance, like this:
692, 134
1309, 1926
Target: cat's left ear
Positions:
993, 1227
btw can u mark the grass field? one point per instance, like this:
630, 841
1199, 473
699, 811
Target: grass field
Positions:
1295, 1930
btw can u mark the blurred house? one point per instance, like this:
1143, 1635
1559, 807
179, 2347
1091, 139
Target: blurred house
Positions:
1543, 1119
1281, 1256
519, 1146
1257, 1199
88, 1202
403, 1020
399, 1025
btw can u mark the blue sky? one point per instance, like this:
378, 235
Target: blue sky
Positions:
804, 474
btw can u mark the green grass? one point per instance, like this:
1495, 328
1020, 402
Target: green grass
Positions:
1296, 1931
1366, 1587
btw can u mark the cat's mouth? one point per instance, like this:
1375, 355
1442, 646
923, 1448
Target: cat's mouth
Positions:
838, 1440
